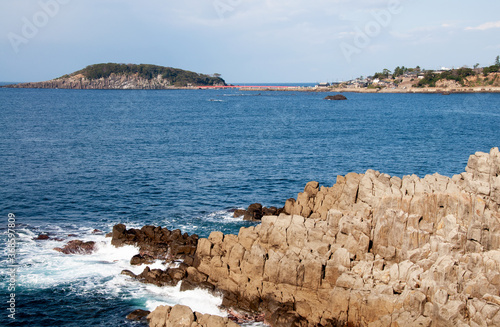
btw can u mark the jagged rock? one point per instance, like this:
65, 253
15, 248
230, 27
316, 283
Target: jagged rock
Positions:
156, 243
239, 212
128, 273
256, 211
371, 250
159, 277
138, 259
336, 97
183, 316
77, 247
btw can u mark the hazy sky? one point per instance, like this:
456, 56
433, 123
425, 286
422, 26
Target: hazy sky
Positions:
246, 40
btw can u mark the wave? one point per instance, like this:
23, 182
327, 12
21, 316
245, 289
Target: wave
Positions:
43, 268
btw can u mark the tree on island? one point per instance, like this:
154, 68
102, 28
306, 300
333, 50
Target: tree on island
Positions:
398, 71
384, 74
492, 69
458, 75
177, 77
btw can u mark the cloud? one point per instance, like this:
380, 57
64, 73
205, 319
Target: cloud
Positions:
484, 27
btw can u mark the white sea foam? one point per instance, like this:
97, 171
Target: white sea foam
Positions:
226, 215
41, 267
197, 300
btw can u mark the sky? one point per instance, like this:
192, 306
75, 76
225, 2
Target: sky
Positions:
247, 41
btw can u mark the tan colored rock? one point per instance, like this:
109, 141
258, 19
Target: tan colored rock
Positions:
372, 250
183, 316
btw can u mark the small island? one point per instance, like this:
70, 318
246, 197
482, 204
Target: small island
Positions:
115, 76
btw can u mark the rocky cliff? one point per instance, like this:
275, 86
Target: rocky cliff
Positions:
372, 250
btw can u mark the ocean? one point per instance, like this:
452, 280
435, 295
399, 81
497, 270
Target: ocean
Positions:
76, 162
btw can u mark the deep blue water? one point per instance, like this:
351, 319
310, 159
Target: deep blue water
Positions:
74, 160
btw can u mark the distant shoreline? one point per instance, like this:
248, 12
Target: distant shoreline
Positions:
285, 88
425, 90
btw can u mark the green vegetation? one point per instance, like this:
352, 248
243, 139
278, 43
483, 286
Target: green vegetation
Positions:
491, 69
177, 77
399, 71
384, 74
458, 75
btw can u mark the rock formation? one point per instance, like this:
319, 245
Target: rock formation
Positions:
182, 316
113, 82
372, 250
77, 247
138, 315
156, 243
336, 97
256, 211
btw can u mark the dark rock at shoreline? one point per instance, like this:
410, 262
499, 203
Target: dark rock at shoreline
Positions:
159, 277
128, 273
77, 247
138, 259
239, 212
336, 97
156, 243
256, 211
138, 315
42, 237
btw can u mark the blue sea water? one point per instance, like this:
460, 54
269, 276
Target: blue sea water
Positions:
75, 160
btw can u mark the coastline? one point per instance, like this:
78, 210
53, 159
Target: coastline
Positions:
372, 250
265, 88
425, 90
